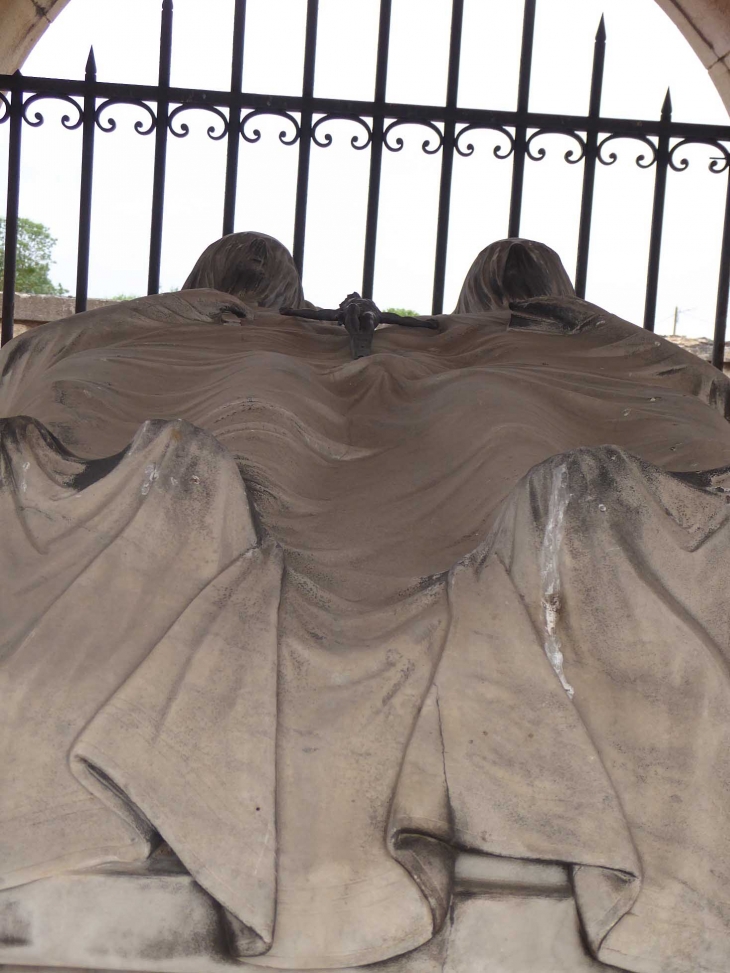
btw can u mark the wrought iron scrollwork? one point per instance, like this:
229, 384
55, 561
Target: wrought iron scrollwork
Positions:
109, 125
661, 143
500, 152
38, 118
612, 157
397, 146
355, 142
570, 156
184, 129
716, 165
255, 136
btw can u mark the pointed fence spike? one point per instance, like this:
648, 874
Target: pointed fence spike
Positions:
91, 63
601, 32
667, 106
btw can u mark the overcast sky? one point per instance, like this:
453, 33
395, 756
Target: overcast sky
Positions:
646, 53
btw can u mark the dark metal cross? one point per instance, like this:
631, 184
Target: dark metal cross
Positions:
359, 317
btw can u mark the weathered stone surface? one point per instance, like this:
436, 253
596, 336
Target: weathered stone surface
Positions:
388, 663
23, 24
158, 919
705, 24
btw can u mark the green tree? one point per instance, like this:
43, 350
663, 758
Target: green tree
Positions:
34, 259
403, 311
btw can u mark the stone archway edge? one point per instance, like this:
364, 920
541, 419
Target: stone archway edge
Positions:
704, 23
706, 26
22, 24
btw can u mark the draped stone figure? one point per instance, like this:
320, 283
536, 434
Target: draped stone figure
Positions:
410, 663
252, 266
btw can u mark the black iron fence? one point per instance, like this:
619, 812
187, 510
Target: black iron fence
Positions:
448, 128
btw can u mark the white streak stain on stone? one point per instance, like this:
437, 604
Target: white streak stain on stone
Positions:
550, 572
151, 475
264, 845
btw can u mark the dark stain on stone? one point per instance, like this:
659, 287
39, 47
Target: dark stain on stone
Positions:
15, 928
15, 352
95, 470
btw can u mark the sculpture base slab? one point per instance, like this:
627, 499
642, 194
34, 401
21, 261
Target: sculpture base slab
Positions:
516, 916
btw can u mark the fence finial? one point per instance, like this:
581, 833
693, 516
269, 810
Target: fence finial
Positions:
91, 64
601, 32
667, 107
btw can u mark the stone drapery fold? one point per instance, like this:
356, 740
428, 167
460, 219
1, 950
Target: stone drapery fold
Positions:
319, 703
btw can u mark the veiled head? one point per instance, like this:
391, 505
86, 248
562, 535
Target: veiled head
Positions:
512, 270
253, 266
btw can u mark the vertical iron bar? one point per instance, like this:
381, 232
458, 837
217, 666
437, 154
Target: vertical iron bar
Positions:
657, 217
305, 139
234, 117
376, 151
523, 100
723, 289
158, 184
87, 170
11, 216
589, 165
447, 161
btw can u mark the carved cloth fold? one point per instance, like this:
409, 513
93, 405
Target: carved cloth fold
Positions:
171, 670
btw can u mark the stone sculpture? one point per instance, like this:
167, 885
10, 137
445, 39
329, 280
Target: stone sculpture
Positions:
360, 317
412, 663
252, 266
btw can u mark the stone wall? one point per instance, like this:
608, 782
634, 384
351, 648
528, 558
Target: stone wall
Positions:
32, 310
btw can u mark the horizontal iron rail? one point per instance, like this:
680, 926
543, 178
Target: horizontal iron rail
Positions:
556, 123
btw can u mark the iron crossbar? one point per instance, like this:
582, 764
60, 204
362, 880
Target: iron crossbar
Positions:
306, 117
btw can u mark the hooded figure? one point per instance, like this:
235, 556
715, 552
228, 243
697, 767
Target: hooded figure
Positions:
252, 266
512, 270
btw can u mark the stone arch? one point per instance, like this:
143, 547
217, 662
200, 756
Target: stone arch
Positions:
22, 23
705, 24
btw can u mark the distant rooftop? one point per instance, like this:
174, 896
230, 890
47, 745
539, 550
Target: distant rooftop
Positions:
702, 347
